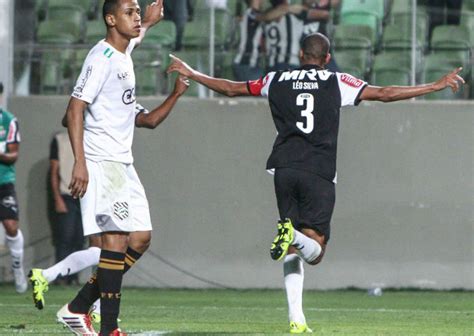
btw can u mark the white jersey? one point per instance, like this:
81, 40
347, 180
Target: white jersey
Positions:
107, 84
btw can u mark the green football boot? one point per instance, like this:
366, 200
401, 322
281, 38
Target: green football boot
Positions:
283, 239
39, 285
298, 328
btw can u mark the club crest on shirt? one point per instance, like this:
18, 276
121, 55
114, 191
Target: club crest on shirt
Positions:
351, 81
128, 96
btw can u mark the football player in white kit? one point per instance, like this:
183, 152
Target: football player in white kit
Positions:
101, 116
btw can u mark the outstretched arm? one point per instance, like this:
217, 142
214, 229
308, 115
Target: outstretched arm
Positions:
393, 93
156, 116
153, 15
223, 86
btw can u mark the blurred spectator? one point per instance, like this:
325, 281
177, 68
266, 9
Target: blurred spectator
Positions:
179, 11
316, 21
282, 36
67, 211
9, 149
246, 62
444, 12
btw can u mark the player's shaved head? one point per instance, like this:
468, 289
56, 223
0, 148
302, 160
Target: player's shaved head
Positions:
315, 47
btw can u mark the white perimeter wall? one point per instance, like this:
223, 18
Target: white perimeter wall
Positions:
404, 210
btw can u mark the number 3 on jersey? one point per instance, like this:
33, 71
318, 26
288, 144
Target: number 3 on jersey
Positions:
301, 100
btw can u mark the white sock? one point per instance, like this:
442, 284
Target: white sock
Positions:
73, 263
308, 248
294, 277
15, 244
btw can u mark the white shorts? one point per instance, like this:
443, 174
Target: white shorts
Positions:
115, 199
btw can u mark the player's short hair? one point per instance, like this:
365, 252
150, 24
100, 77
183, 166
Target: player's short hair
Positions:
276, 2
109, 8
1, 87
315, 46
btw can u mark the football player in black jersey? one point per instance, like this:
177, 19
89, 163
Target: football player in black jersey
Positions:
305, 105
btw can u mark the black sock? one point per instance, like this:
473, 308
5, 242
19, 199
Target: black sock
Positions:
131, 257
109, 279
86, 296
90, 291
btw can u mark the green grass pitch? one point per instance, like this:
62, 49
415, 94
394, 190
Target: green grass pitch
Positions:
256, 312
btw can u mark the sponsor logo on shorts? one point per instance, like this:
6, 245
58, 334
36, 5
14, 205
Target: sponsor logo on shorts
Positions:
121, 210
9, 202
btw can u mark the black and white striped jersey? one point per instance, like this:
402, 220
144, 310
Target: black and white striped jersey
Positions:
282, 40
251, 32
305, 106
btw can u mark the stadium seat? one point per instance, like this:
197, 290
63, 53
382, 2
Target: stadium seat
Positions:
468, 5
467, 21
403, 21
435, 67
364, 19
453, 42
163, 33
73, 16
55, 67
352, 62
146, 80
95, 31
57, 32
391, 68
349, 36
376, 7
76, 4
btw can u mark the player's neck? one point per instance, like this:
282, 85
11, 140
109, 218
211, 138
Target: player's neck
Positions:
119, 42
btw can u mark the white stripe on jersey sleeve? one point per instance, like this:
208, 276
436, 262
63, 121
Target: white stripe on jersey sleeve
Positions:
350, 87
266, 83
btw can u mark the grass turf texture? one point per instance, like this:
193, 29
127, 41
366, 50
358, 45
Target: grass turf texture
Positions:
255, 312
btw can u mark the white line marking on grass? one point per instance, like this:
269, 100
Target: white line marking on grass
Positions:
368, 310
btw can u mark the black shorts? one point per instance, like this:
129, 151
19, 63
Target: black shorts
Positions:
8, 202
306, 198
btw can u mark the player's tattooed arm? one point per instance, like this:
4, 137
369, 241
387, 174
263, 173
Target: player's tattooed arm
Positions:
223, 86
394, 93
153, 15
156, 116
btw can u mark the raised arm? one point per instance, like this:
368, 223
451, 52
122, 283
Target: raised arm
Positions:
156, 116
153, 15
393, 93
223, 86
75, 126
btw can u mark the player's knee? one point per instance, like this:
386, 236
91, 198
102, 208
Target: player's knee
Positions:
319, 258
11, 227
140, 241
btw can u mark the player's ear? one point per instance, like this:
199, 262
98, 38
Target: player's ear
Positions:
301, 55
110, 19
328, 58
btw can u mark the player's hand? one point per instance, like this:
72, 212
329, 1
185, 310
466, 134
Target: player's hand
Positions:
452, 80
180, 67
181, 85
153, 13
60, 206
79, 179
